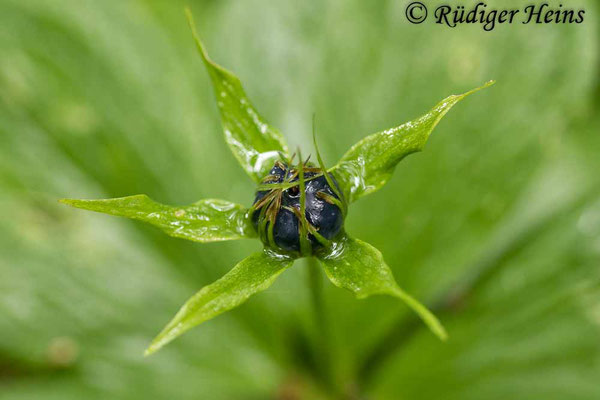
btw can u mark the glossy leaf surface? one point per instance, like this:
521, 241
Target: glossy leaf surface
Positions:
251, 275
254, 143
207, 220
369, 164
359, 267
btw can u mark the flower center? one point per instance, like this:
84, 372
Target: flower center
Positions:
277, 212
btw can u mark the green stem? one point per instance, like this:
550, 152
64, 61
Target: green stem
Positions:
323, 341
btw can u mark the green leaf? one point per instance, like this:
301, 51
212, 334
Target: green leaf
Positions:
251, 275
369, 164
205, 221
254, 143
359, 267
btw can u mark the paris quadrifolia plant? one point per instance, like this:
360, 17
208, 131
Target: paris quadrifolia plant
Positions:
298, 210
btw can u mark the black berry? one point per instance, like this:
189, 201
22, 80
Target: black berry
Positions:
282, 204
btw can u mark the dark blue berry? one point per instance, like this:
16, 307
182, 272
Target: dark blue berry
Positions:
326, 218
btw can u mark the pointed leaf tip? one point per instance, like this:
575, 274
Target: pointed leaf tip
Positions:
207, 220
359, 267
427, 316
254, 143
370, 163
199, 44
251, 275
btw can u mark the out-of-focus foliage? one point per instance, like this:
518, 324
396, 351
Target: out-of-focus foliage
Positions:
108, 99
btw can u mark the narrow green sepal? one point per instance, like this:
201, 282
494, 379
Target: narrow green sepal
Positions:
305, 245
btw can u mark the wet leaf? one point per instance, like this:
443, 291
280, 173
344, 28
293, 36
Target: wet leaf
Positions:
359, 267
369, 164
254, 143
207, 220
251, 275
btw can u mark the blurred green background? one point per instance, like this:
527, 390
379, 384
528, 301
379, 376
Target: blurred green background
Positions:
496, 224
